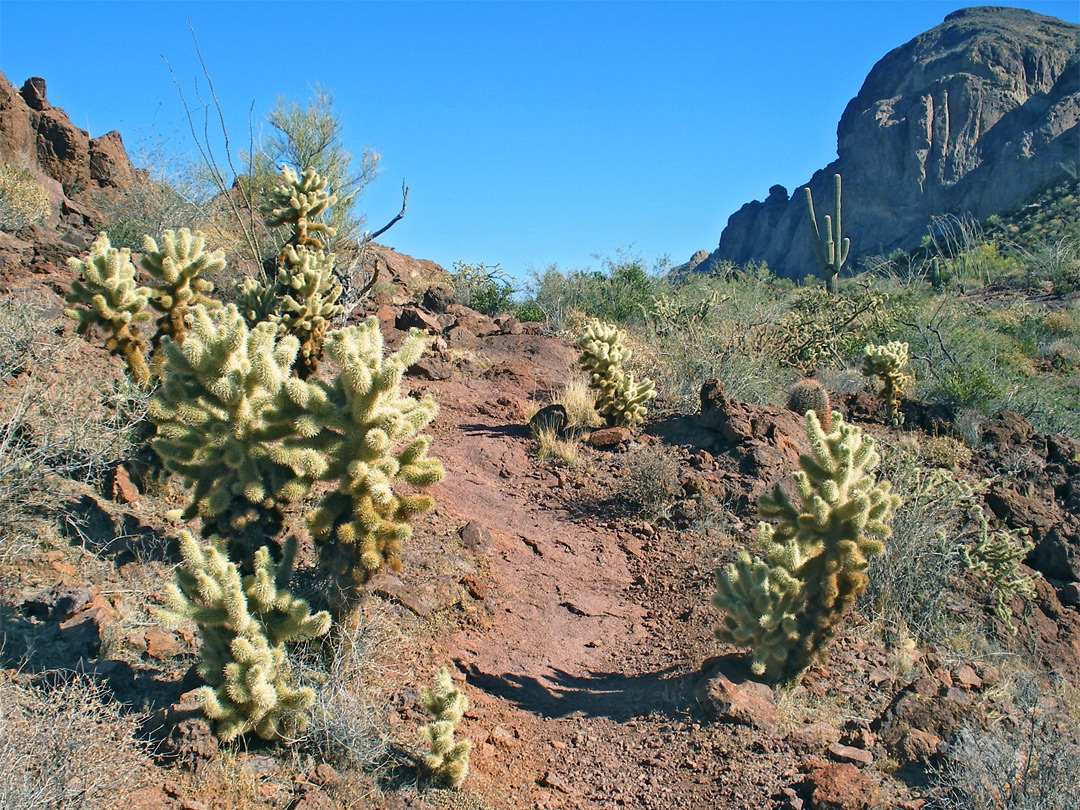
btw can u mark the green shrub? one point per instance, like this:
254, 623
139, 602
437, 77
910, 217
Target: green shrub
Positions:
23, 201
483, 288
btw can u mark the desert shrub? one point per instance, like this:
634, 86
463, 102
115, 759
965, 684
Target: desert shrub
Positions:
579, 399
820, 329
23, 201
312, 136
482, 287
550, 446
621, 291
1022, 762
649, 481
64, 745
1055, 261
351, 675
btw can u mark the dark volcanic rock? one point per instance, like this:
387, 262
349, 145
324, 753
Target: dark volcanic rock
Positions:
974, 116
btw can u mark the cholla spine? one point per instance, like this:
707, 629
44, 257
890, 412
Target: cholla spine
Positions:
620, 398
889, 364
245, 624
448, 760
787, 607
107, 295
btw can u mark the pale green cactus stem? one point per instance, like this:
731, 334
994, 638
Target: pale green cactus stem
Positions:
106, 294
245, 623
620, 398
832, 250
448, 759
360, 433
179, 268
889, 364
299, 202
221, 413
787, 607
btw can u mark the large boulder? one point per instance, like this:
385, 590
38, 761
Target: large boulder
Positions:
975, 116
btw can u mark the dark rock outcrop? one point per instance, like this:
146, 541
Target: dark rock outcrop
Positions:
975, 116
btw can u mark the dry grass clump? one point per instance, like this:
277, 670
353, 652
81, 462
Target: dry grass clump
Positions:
1023, 761
23, 201
64, 745
352, 673
579, 399
55, 419
550, 446
650, 481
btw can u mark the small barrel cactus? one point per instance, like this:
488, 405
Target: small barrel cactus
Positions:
810, 395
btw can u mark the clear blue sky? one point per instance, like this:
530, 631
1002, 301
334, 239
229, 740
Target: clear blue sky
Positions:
529, 133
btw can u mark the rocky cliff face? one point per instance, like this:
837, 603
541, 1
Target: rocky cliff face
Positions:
972, 117
78, 171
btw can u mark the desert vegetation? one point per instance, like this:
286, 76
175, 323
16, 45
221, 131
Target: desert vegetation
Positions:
650, 537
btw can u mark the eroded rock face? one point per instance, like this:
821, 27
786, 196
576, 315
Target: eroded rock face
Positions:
972, 117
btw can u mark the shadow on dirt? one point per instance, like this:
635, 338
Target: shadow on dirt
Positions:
600, 694
508, 431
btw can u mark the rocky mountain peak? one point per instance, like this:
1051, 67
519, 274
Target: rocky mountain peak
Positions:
974, 116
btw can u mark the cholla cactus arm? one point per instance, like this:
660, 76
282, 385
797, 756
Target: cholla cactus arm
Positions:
108, 296
994, 557
307, 295
221, 412
761, 605
620, 398
448, 760
298, 202
889, 364
178, 268
244, 624
361, 434
821, 541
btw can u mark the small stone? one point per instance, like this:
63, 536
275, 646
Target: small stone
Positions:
841, 786
261, 767
550, 417
123, 488
879, 675
610, 437
477, 588
326, 776
161, 644
967, 677
555, 782
743, 701
476, 537
413, 318
847, 753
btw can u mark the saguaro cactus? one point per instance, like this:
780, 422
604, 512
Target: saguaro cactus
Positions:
245, 624
889, 364
832, 250
107, 295
620, 398
787, 607
448, 760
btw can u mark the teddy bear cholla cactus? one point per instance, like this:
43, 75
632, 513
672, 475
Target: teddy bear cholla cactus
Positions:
106, 294
221, 413
620, 398
889, 364
787, 607
448, 760
245, 624
302, 298
179, 267
362, 433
